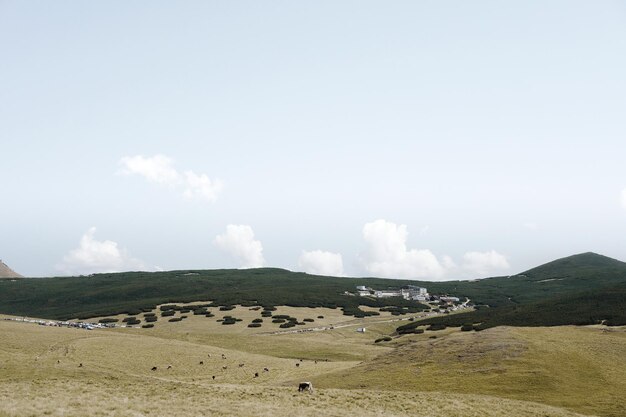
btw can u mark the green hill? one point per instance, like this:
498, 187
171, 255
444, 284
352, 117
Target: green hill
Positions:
130, 292
569, 290
582, 289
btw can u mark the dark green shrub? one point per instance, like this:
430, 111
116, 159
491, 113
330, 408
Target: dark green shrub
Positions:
210, 315
287, 325
167, 307
467, 327
279, 321
176, 319
147, 326
320, 317
150, 319
133, 312
167, 313
257, 321
108, 320
254, 325
309, 320
383, 339
149, 314
227, 308
266, 314
281, 316
269, 308
436, 326
127, 319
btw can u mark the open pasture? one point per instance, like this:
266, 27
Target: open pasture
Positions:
496, 372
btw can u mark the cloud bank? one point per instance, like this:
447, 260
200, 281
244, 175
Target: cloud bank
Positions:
319, 262
93, 256
159, 169
238, 242
387, 256
483, 263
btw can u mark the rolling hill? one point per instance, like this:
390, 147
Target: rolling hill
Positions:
584, 288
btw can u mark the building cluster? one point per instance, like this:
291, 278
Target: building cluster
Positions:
411, 292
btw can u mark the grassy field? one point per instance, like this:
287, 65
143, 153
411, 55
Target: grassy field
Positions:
501, 371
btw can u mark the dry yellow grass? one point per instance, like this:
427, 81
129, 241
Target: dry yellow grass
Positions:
580, 368
40, 373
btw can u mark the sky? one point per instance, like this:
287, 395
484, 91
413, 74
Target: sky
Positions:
429, 140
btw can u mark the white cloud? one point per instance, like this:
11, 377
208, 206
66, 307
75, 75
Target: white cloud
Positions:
387, 255
321, 263
238, 241
484, 263
92, 256
159, 169
624, 198
201, 186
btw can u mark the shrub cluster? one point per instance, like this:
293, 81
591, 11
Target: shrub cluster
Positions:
253, 324
167, 313
148, 326
108, 320
229, 320
383, 339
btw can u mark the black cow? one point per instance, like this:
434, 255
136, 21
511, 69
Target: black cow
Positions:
154, 368
305, 386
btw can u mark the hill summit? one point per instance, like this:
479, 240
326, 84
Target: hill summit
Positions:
6, 272
583, 264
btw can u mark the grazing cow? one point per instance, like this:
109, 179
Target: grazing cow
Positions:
223, 356
80, 365
297, 365
300, 360
201, 362
169, 366
209, 355
266, 370
225, 367
316, 362
214, 377
154, 368
256, 374
241, 365
305, 386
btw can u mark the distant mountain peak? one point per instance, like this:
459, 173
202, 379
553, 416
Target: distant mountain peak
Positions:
6, 272
575, 264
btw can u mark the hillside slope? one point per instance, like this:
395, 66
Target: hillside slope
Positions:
105, 294
6, 272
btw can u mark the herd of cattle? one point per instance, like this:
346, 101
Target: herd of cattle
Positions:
302, 386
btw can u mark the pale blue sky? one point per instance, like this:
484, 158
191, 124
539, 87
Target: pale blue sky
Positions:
495, 131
